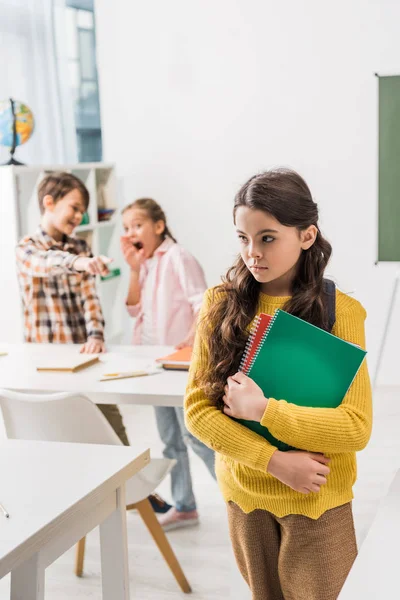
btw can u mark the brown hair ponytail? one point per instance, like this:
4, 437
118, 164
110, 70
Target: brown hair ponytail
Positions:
307, 301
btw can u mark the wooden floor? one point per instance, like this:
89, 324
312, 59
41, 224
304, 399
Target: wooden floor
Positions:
204, 551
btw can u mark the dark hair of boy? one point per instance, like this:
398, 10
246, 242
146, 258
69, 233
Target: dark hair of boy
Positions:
59, 184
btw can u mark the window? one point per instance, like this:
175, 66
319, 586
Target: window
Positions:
83, 82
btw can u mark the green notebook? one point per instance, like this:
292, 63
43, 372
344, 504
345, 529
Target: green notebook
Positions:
302, 364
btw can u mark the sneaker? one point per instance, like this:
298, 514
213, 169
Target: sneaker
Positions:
174, 519
159, 505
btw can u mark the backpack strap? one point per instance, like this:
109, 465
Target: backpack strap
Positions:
330, 293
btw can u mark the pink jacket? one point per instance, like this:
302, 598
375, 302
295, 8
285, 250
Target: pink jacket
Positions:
179, 288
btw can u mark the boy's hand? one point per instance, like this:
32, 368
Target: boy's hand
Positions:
304, 472
243, 398
97, 265
131, 254
93, 346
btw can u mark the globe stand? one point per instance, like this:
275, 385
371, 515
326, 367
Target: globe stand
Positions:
12, 160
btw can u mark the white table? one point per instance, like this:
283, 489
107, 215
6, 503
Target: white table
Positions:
55, 494
375, 573
18, 372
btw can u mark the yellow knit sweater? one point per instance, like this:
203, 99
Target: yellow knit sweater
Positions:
242, 455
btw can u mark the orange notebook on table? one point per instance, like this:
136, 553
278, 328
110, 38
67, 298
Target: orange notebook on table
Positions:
177, 361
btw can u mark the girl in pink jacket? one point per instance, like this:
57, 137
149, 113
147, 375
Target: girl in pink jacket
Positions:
165, 293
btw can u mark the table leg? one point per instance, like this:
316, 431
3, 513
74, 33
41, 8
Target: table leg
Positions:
114, 552
27, 580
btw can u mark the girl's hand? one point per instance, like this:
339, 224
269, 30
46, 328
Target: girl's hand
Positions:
244, 399
131, 254
186, 342
93, 346
189, 339
304, 472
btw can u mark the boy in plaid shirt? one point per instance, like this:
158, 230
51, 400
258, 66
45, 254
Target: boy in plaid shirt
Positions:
56, 277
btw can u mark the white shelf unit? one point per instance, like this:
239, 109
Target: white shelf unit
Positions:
20, 215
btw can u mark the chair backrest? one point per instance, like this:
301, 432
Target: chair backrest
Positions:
60, 417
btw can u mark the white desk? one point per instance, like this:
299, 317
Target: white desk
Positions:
18, 372
55, 494
375, 573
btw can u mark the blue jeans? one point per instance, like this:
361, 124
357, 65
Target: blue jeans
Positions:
173, 432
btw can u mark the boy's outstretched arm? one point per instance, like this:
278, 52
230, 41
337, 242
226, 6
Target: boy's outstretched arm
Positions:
33, 262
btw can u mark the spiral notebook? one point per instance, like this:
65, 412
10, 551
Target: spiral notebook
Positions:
257, 333
295, 361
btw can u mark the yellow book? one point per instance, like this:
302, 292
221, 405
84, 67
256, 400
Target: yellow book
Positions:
63, 365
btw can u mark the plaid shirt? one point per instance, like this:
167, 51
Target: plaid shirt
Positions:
60, 304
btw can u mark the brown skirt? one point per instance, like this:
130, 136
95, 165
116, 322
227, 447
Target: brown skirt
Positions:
293, 557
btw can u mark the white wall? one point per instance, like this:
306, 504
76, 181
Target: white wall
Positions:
197, 96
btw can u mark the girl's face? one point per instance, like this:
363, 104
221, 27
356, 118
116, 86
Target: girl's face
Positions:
271, 250
142, 230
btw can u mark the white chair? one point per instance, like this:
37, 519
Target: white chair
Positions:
69, 417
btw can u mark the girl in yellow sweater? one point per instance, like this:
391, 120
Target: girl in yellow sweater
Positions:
289, 513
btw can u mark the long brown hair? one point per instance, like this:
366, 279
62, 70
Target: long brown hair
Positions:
154, 211
285, 195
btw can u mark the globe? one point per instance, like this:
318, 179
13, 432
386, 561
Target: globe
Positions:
14, 111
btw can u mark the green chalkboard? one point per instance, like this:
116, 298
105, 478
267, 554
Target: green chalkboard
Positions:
389, 169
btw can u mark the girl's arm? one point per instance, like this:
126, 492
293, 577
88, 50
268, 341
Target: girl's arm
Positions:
346, 428
133, 297
302, 471
189, 339
134, 258
191, 278
193, 283
210, 425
